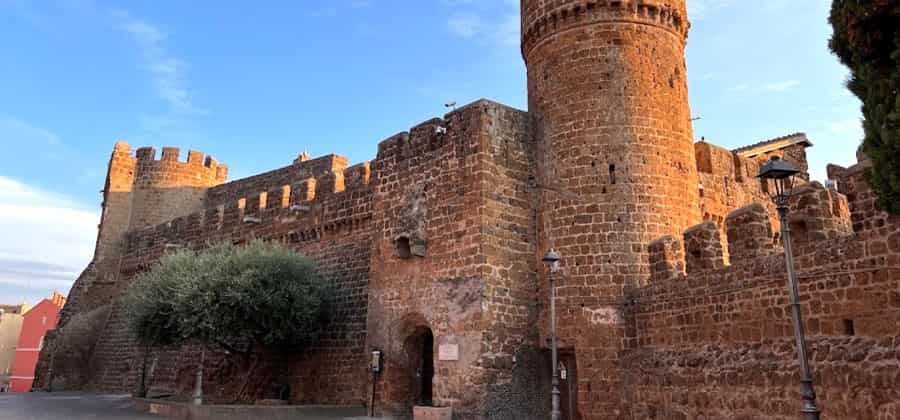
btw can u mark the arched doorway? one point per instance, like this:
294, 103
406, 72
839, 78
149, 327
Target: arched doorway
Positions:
409, 367
419, 347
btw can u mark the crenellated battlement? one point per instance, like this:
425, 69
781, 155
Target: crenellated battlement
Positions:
317, 203
703, 248
167, 187
169, 171
541, 19
435, 133
817, 215
301, 170
308, 187
728, 181
749, 233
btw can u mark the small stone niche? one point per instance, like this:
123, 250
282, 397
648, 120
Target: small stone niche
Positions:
406, 247
402, 248
849, 327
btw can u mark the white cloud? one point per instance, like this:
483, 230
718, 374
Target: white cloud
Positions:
20, 131
48, 238
490, 21
508, 31
466, 26
168, 72
781, 86
700, 9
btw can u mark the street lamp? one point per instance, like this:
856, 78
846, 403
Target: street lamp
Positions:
551, 258
782, 173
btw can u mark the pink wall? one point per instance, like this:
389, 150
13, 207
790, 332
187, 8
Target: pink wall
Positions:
37, 321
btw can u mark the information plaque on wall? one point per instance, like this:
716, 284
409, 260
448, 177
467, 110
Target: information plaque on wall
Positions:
448, 352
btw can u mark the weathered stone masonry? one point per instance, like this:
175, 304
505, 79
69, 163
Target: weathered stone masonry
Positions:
717, 341
672, 298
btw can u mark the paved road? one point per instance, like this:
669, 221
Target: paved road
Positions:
68, 406
80, 406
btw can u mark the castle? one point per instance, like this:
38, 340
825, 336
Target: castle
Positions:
672, 297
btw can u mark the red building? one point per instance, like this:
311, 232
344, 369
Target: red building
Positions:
37, 321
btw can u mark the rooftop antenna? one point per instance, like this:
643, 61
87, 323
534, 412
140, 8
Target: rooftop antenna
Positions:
696, 118
451, 104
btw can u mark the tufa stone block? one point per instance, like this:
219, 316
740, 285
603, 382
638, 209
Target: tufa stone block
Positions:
818, 214
703, 248
666, 258
749, 232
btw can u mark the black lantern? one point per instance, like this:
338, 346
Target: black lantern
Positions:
782, 172
552, 259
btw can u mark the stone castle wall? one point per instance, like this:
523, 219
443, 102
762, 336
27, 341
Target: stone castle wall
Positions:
469, 220
457, 192
717, 340
705, 336
328, 220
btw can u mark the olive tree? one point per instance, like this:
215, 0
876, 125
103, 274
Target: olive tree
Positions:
238, 298
152, 305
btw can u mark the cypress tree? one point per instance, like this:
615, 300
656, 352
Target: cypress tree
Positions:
867, 40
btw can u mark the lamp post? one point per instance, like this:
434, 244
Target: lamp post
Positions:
782, 173
551, 258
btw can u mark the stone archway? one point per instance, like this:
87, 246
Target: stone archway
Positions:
419, 349
409, 371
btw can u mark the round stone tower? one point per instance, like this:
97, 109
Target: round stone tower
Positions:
607, 86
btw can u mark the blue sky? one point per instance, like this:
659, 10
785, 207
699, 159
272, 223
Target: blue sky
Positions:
254, 86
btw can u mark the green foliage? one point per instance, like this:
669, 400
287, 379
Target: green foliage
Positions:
237, 297
152, 302
271, 296
867, 40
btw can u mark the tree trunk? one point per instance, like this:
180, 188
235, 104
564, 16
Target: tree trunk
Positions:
247, 378
198, 385
142, 386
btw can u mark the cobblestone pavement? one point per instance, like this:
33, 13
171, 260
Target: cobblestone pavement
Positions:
68, 406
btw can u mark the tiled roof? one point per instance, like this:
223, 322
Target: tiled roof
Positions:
773, 144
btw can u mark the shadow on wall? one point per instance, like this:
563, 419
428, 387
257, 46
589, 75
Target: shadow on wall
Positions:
70, 350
